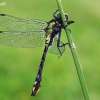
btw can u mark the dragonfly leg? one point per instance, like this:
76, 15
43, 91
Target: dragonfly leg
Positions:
59, 52
64, 44
68, 23
54, 15
59, 48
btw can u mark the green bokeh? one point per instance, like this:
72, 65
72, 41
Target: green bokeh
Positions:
18, 67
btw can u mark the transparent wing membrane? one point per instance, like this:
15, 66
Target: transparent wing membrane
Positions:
25, 39
54, 49
20, 24
26, 33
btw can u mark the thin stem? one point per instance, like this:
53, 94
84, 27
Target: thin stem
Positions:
74, 53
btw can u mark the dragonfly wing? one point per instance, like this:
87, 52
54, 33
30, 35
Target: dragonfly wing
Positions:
20, 24
27, 39
54, 49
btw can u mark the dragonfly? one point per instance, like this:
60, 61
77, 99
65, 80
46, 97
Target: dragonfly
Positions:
30, 33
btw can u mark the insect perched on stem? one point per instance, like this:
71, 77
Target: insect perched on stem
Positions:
29, 33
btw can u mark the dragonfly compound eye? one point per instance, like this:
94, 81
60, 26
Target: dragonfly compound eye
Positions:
66, 15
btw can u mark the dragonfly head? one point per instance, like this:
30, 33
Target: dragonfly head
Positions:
66, 16
59, 16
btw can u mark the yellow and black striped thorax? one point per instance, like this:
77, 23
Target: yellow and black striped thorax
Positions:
52, 30
49, 31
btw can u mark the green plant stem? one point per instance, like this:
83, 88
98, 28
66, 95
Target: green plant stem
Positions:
74, 53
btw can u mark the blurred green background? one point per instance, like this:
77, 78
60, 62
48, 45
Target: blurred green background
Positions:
18, 67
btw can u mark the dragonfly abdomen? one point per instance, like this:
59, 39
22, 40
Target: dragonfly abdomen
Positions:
38, 79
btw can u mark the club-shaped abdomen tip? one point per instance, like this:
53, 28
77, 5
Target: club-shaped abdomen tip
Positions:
33, 93
2, 14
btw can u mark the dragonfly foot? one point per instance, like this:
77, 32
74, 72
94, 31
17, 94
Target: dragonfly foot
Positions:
68, 23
